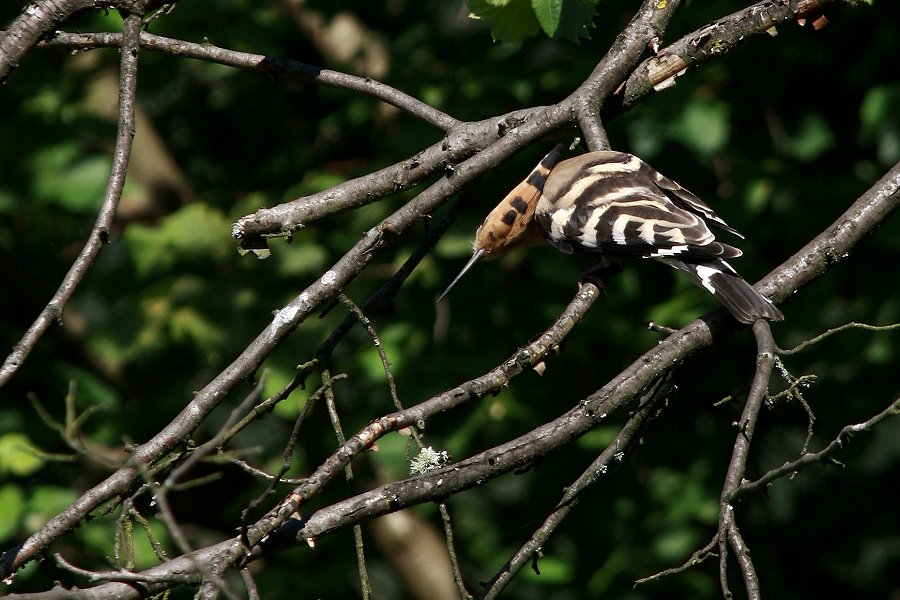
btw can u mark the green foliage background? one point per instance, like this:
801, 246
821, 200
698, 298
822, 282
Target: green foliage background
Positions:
779, 137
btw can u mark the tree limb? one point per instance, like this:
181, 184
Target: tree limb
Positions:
729, 534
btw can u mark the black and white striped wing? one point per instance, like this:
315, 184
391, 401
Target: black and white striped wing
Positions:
615, 203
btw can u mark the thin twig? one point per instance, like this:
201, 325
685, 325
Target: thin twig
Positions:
121, 574
288, 455
260, 473
161, 500
820, 457
852, 325
269, 403
451, 551
794, 386
381, 299
385, 363
271, 65
53, 312
348, 472
123, 539
698, 557
158, 550
612, 457
217, 440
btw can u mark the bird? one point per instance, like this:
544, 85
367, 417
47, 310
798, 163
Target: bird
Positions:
614, 205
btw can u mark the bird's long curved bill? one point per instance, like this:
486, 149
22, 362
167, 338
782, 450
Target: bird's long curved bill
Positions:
479, 254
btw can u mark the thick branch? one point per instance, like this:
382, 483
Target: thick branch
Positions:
703, 45
37, 20
361, 191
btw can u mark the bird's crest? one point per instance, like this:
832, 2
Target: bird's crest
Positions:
511, 223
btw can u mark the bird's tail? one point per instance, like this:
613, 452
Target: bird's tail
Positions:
739, 297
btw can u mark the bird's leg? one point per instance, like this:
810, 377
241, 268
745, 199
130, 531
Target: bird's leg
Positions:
600, 273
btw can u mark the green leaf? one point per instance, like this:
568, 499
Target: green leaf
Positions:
567, 19
704, 126
195, 233
511, 21
18, 456
44, 503
12, 505
65, 176
879, 117
548, 14
812, 138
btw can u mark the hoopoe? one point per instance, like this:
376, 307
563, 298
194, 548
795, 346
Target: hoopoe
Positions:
616, 205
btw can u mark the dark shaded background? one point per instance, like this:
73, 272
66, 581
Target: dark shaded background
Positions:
779, 137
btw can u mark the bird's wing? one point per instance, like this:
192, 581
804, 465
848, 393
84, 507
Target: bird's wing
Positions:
615, 203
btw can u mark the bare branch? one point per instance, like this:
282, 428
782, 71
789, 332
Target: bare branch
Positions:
288, 454
451, 552
99, 235
820, 457
705, 44
276, 66
698, 557
37, 20
852, 325
729, 534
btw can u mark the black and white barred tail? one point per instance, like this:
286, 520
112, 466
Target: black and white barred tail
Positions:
739, 297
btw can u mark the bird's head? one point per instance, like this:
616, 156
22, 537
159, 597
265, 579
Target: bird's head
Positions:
511, 223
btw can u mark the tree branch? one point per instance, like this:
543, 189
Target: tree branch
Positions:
99, 235
37, 20
811, 458
276, 66
871, 209
705, 44
729, 534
